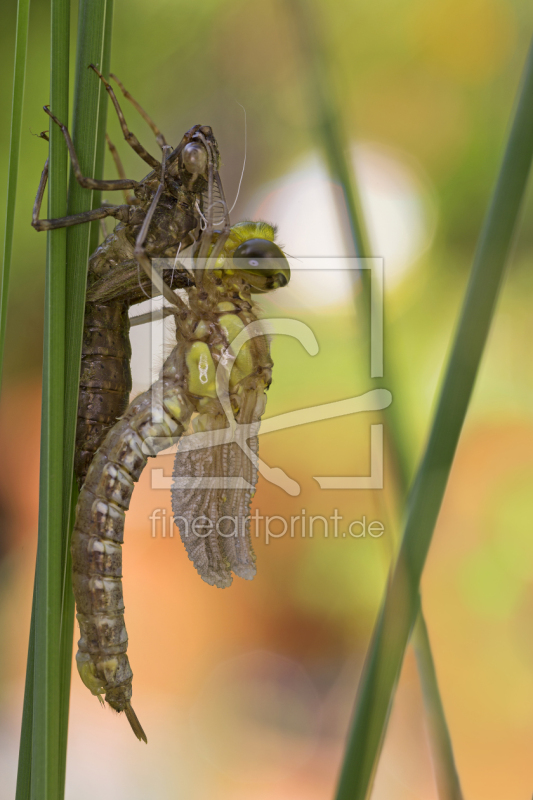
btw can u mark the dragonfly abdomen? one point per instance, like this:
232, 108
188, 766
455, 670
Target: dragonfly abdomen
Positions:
105, 378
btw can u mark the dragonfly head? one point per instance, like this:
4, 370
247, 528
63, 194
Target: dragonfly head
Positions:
251, 250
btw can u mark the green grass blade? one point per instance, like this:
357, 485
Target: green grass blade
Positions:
400, 607
21, 48
65, 654
45, 722
87, 126
88, 131
327, 120
446, 776
48, 575
23, 790
102, 121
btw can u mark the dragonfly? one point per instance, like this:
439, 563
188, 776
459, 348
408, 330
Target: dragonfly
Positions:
212, 388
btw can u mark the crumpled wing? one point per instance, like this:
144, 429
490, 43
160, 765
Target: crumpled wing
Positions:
213, 519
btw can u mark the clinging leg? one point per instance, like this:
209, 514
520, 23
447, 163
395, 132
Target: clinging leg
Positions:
161, 141
88, 183
128, 135
119, 212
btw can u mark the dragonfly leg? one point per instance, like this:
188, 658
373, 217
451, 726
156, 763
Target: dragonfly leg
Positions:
130, 137
119, 212
161, 141
140, 250
151, 316
40, 193
131, 200
87, 183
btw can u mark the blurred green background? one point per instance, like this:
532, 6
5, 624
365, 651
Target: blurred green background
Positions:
255, 684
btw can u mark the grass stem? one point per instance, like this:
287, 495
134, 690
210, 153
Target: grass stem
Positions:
42, 759
19, 75
401, 603
327, 119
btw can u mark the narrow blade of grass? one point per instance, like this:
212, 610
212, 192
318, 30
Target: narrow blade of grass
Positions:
88, 126
88, 131
446, 776
42, 757
327, 119
400, 607
48, 577
102, 121
23, 790
21, 49
65, 653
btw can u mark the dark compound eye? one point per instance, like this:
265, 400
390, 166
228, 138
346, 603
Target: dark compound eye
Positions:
255, 250
263, 263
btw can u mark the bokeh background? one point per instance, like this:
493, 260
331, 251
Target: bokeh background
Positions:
247, 692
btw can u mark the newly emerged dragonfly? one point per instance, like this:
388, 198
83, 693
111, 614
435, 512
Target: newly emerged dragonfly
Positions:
212, 386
